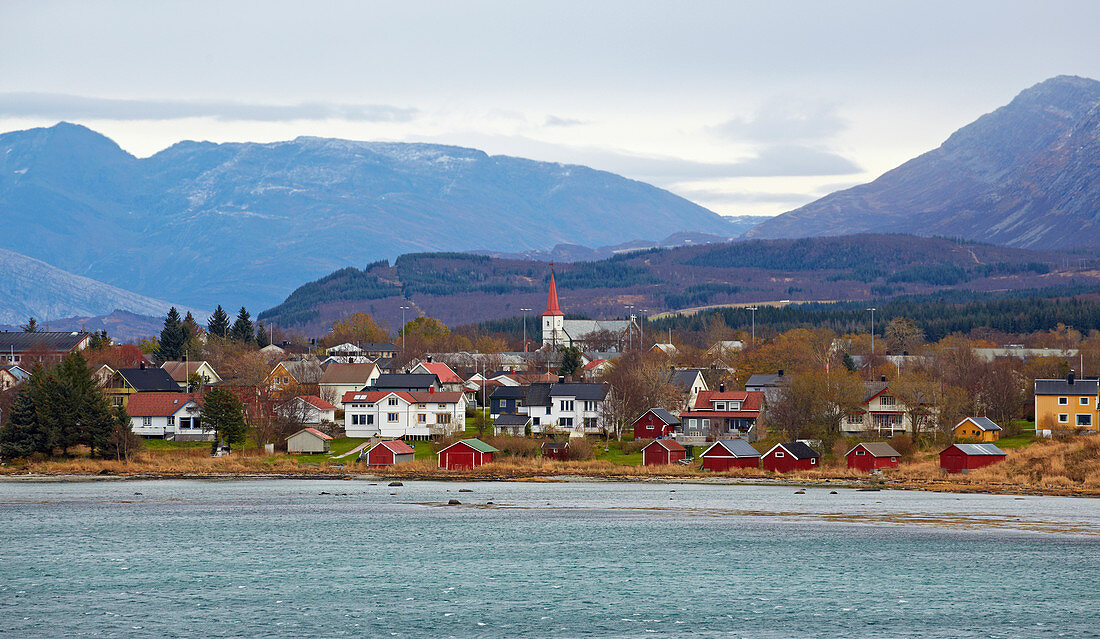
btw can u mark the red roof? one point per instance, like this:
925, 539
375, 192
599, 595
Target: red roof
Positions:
552, 298
667, 444
317, 402
314, 431
443, 372
397, 446
750, 400
593, 364
159, 404
412, 397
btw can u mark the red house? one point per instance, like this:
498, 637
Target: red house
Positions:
869, 456
727, 454
657, 422
466, 454
783, 458
390, 453
663, 451
555, 450
960, 458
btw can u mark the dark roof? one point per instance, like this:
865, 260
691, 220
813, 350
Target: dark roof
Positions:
538, 394
580, 390
508, 392
871, 389
50, 341
799, 450
683, 378
404, 381
663, 415
378, 346
555, 445
766, 381
1084, 386
735, 447
149, 379
508, 419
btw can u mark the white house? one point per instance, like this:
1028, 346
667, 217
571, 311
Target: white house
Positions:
339, 378
404, 414
309, 408
573, 407
168, 415
180, 371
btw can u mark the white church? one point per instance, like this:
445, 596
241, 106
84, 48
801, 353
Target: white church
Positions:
558, 332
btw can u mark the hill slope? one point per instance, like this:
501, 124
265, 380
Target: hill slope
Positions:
1027, 174
242, 223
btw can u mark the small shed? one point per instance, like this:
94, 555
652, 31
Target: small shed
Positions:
466, 454
961, 458
788, 456
868, 456
979, 428
555, 450
511, 424
308, 441
655, 423
727, 454
390, 453
663, 451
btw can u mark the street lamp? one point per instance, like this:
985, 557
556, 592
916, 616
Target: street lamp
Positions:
525, 311
753, 309
629, 327
403, 309
641, 327
872, 309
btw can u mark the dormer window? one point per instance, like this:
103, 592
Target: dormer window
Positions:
735, 405
719, 405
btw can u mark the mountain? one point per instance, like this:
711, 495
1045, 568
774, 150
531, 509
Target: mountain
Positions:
462, 288
236, 224
578, 253
32, 288
1027, 175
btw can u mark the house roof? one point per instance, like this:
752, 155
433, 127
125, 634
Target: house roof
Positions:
578, 329
181, 370
396, 446
798, 450
876, 449
761, 380
316, 402
378, 346
370, 396
594, 364
580, 390
159, 404
302, 370
344, 374
751, 401
667, 444
983, 423
683, 377
552, 298
405, 381
508, 419
442, 371
872, 390
1084, 386
663, 415
735, 447
555, 445
312, 431
508, 392
538, 394
976, 449
52, 341
149, 379
476, 444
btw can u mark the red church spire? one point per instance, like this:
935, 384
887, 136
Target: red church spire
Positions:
552, 299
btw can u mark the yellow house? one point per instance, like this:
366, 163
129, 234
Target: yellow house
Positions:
1066, 404
978, 428
292, 376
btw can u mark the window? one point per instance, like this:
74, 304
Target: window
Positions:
590, 422
443, 418
813, 460
146, 421
567, 421
719, 405
735, 405
1062, 401
393, 401
534, 421
887, 400
779, 453
693, 422
358, 420
566, 405
1084, 420
860, 453
391, 417
1084, 401
421, 418
441, 406
591, 405
370, 419
171, 420
421, 405
1063, 418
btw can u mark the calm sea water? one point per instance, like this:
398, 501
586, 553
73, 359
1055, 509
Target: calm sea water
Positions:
577, 559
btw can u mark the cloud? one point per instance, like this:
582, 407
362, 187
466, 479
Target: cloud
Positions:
772, 161
553, 120
716, 196
74, 107
784, 122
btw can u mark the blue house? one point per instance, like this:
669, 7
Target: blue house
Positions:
505, 400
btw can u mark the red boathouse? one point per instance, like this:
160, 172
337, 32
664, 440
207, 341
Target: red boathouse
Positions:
390, 453
960, 458
783, 458
555, 450
728, 454
663, 451
657, 422
869, 456
466, 454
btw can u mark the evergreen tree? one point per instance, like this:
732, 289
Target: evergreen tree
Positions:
262, 338
224, 414
86, 414
30, 327
172, 337
123, 442
191, 326
570, 360
242, 328
20, 436
99, 341
218, 323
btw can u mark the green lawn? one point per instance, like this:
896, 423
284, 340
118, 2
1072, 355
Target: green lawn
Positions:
1015, 441
167, 444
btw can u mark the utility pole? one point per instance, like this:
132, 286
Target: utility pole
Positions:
753, 309
525, 311
641, 327
629, 326
403, 309
872, 309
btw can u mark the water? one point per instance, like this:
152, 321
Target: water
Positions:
577, 559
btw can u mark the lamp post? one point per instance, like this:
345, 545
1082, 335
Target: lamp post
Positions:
403, 309
872, 309
525, 311
641, 327
753, 309
629, 328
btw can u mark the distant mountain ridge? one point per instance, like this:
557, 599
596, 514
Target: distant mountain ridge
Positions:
1026, 175
207, 223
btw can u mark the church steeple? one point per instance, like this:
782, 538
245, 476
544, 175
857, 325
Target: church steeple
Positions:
552, 299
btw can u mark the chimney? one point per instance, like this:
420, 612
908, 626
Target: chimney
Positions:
781, 372
1069, 378
143, 367
722, 388
561, 379
883, 378
905, 353
429, 359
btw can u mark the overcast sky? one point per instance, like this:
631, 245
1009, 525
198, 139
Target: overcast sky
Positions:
751, 108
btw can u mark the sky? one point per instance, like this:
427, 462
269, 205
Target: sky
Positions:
745, 108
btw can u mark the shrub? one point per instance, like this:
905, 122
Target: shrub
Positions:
634, 445
580, 449
515, 446
903, 444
